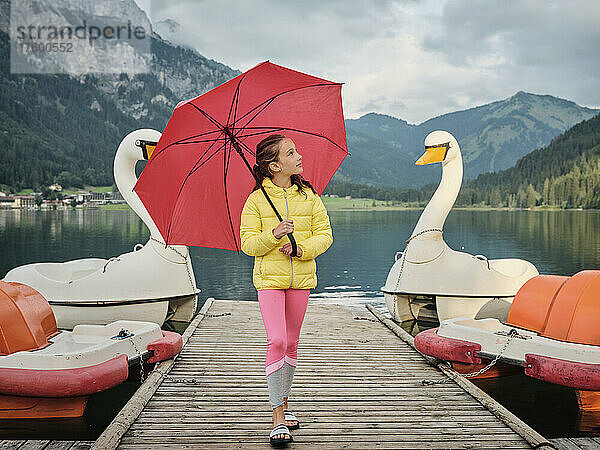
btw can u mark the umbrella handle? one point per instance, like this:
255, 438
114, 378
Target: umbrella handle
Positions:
294, 245
289, 235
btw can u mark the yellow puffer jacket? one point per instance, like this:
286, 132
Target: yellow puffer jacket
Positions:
312, 231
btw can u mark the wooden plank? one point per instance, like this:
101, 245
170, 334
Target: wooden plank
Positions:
59, 445
585, 443
307, 408
34, 445
382, 415
335, 436
318, 428
11, 444
333, 445
565, 444
82, 445
356, 420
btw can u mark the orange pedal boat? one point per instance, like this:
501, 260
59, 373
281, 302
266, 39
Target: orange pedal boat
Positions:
552, 332
49, 373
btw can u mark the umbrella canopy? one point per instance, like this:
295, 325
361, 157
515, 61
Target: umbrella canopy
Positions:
197, 179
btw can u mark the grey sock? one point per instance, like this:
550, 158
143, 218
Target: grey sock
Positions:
275, 384
289, 376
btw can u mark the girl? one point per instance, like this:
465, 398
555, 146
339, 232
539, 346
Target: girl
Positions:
283, 281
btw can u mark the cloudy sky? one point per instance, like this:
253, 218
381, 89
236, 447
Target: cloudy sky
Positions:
410, 59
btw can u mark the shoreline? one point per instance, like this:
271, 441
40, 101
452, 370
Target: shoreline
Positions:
359, 205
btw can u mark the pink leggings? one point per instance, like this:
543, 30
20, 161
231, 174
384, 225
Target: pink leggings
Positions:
282, 312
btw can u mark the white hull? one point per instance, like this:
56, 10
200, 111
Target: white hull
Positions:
67, 317
492, 335
405, 307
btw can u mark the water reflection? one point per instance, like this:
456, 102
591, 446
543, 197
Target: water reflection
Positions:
351, 271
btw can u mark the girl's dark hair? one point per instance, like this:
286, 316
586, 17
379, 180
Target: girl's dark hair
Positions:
267, 151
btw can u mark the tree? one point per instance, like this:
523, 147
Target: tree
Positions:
546, 192
495, 197
530, 196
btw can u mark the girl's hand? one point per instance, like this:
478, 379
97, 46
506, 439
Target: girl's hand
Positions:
287, 250
285, 227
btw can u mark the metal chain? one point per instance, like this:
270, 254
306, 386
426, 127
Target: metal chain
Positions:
511, 334
404, 259
114, 258
182, 380
366, 318
184, 257
215, 315
141, 358
406, 249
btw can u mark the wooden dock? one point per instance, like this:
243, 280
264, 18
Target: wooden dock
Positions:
576, 443
357, 385
45, 445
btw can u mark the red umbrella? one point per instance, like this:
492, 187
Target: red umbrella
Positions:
197, 179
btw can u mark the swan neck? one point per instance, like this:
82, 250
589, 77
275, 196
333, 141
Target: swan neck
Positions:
125, 178
435, 213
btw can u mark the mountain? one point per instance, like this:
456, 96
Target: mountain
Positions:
171, 31
376, 162
565, 173
54, 123
68, 126
492, 137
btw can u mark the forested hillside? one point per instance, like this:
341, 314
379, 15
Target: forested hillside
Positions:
566, 174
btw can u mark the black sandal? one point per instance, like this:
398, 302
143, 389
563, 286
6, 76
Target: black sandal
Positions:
279, 442
289, 417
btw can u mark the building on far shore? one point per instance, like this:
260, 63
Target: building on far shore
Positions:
24, 201
92, 199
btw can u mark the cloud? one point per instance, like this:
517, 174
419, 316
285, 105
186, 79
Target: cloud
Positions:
411, 59
535, 45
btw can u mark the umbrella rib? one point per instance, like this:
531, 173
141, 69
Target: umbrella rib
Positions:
279, 95
200, 141
199, 135
226, 160
246, 148
181, 141
194, 169
235, 100
271, 129
265, 106
214, 121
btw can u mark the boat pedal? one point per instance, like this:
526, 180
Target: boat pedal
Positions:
123, 334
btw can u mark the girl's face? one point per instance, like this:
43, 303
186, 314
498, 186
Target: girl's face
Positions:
289, 161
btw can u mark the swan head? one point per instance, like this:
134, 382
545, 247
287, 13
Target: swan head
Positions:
440, 146
139, 144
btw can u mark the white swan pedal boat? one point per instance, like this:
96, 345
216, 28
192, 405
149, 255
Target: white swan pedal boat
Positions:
552, 332
428, 272
153, 283
38, 361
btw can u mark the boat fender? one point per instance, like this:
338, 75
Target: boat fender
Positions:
166, 347
578, 375
64, 382
430, 343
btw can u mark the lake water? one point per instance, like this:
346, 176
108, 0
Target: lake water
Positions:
350, 274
